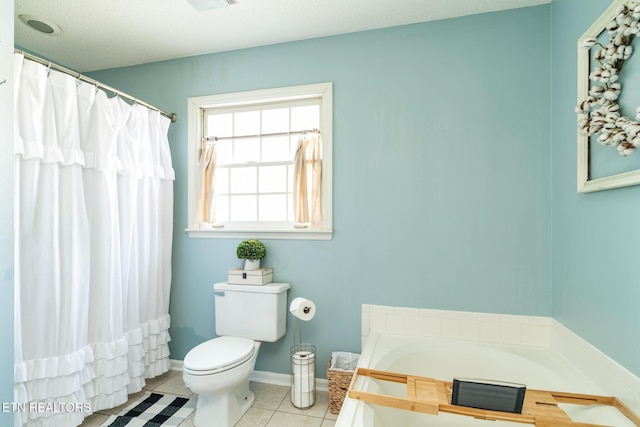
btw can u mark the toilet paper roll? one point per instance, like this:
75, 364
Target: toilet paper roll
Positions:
303, 366
302, 399
304, 383
304, 357
302, 308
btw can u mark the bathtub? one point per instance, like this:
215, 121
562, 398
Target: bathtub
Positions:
442, 358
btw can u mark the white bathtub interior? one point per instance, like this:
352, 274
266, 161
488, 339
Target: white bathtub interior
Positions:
441, 358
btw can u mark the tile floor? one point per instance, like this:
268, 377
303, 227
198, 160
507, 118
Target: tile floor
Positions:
272, 407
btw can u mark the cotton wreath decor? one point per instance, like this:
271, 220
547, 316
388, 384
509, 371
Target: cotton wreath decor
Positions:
601, 106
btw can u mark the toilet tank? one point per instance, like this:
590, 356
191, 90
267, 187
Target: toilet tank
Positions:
248, 311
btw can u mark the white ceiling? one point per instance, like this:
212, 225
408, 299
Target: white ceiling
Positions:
100, 34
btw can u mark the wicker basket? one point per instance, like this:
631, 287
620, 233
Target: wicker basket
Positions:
338, 386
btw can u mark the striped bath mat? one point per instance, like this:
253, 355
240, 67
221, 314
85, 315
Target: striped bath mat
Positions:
153, 410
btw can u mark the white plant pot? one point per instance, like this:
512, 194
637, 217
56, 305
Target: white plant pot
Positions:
251, 264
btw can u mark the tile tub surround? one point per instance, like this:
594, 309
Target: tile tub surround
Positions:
511, 329
604, 372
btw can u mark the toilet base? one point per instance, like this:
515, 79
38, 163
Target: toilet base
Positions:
226, 409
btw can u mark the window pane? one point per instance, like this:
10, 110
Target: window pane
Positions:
220, 124
275, 149
293, 145
222, 209
273, 179
273, 208
290, 216
290, 169
244, 180
247, 123
222, 180
243, 208
246, 150
275, 120
303, 118
223, 152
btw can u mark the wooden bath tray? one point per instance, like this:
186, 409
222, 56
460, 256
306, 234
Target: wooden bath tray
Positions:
431, 396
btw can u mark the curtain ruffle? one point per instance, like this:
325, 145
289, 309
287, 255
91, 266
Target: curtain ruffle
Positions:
149, 352
67, 364
65, 415
48, 153
54, 380
100, 375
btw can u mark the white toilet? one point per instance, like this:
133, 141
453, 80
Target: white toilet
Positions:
218, 370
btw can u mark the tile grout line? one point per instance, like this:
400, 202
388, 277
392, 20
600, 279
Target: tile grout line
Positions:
153, 389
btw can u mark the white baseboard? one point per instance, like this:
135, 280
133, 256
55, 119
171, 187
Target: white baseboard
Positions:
264, 377
283, 379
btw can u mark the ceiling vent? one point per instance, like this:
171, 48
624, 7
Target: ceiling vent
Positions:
211, 4
39, 24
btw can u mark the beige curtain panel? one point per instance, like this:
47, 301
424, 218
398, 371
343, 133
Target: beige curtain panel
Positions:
307, 182
206, 170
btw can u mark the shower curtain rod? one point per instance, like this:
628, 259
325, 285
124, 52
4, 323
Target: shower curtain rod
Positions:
172, 116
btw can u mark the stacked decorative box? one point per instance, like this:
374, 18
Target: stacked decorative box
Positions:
259, 277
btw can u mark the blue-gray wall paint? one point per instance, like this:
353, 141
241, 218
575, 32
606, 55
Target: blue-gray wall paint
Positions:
442, 174
6, 209
596, 237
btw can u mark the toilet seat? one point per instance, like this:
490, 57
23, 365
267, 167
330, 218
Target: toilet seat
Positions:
218, 355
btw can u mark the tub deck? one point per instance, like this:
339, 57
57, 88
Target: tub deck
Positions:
431, 396
537, 367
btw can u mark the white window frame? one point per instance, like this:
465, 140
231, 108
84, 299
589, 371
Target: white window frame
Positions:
195, 108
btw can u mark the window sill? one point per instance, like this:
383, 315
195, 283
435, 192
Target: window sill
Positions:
297, 234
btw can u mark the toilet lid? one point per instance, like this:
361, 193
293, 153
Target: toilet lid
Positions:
222, 352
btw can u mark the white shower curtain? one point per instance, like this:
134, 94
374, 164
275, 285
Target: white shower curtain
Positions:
94, 221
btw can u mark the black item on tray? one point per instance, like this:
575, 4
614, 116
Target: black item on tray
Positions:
488, 394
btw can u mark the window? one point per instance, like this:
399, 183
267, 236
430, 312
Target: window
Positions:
260, 164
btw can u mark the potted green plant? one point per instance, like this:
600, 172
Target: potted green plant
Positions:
251, 251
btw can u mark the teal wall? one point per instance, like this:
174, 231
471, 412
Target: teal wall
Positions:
596, 237
442, 174
6, 209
